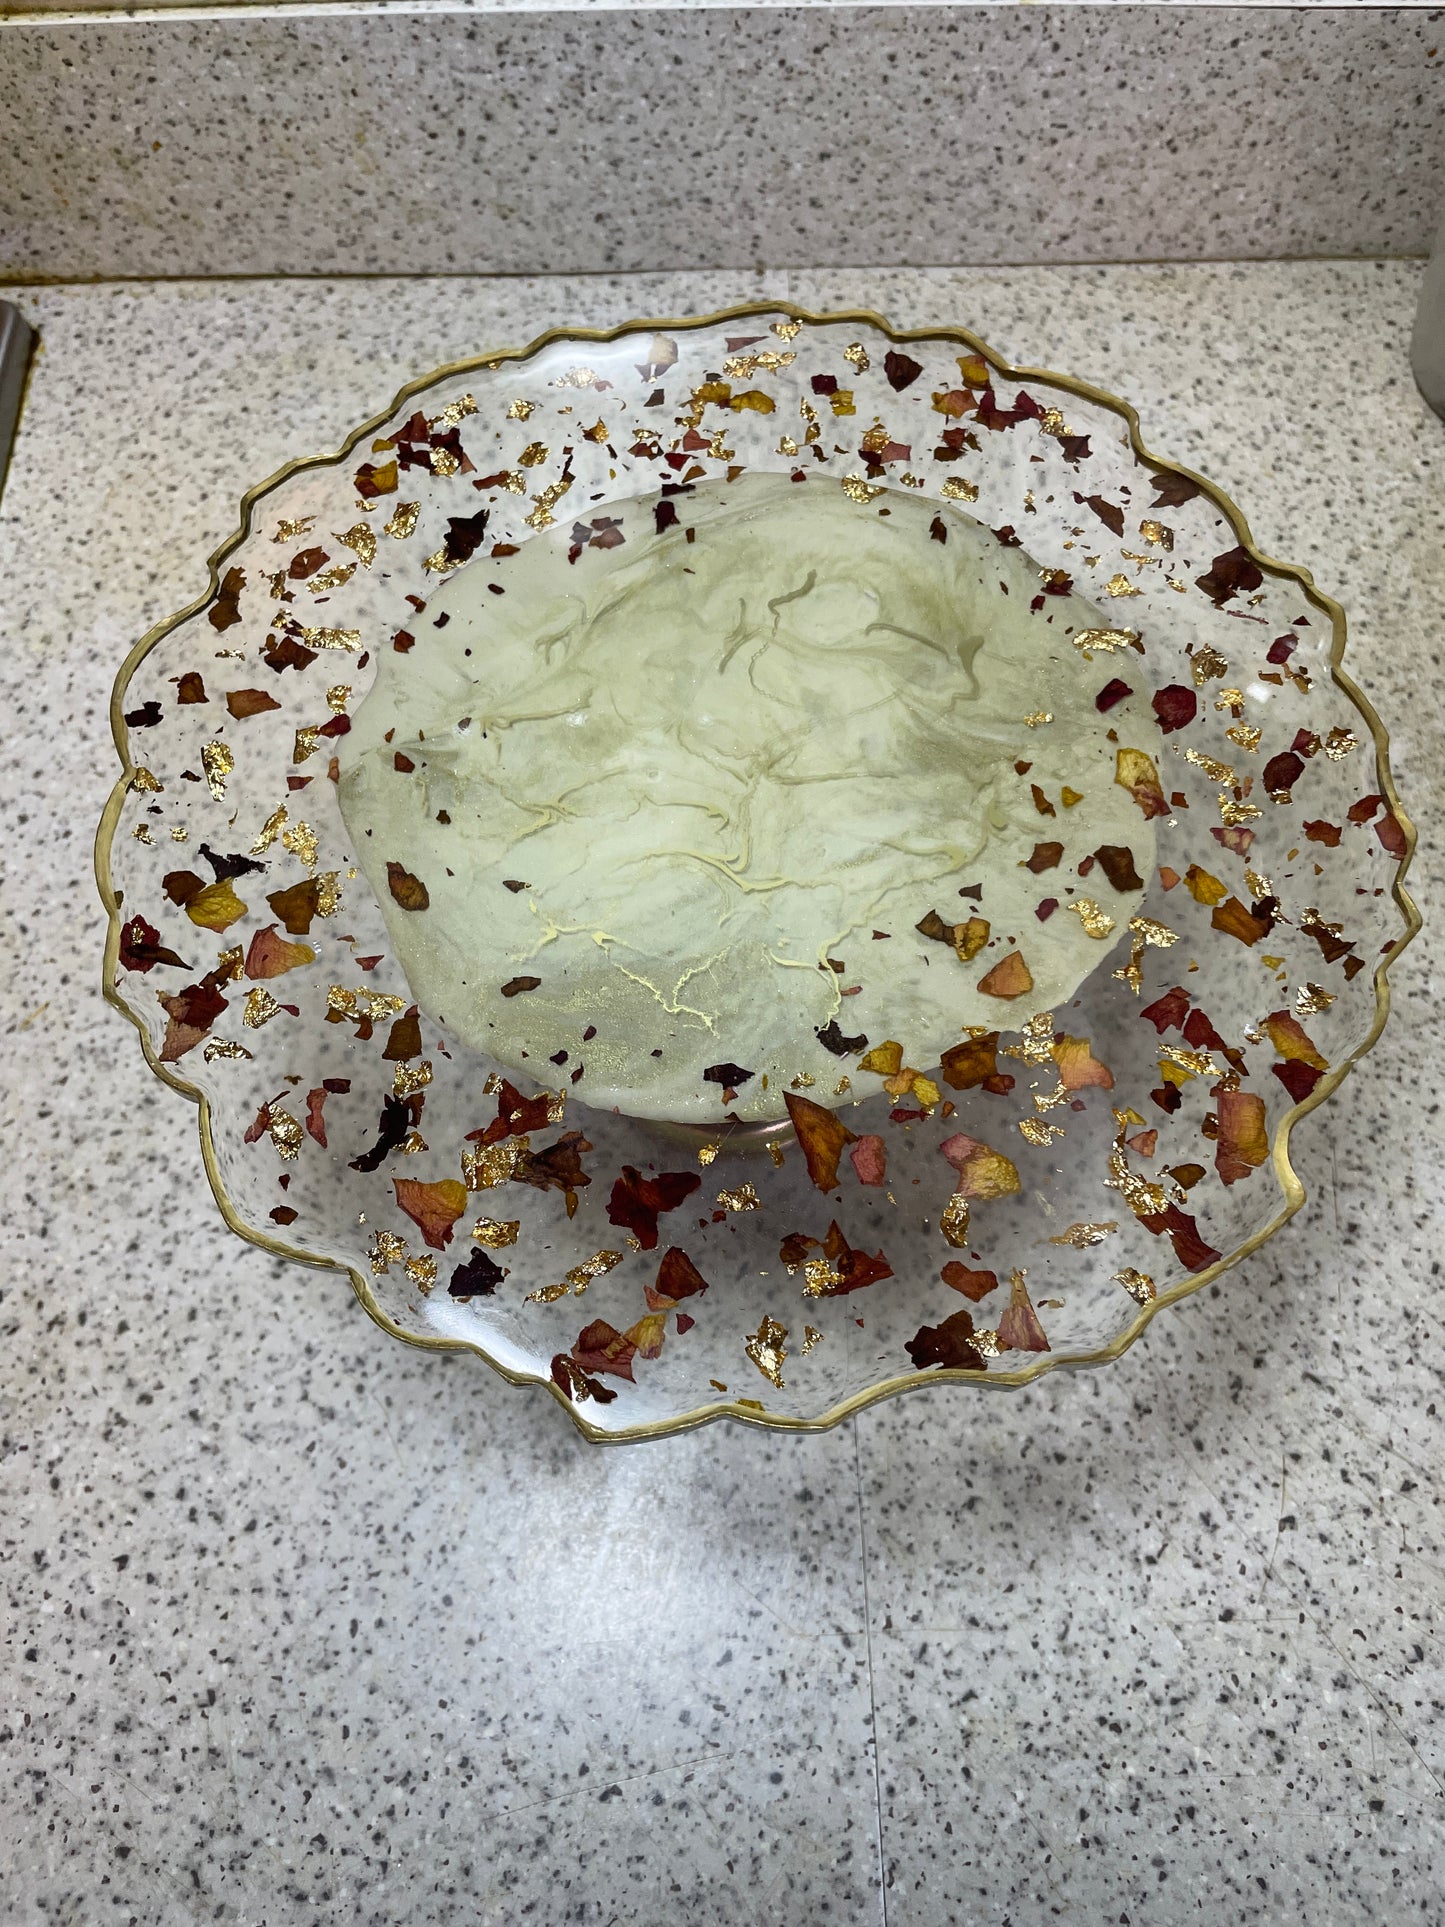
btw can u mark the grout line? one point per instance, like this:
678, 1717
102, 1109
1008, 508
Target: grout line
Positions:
872, 1693
18, 280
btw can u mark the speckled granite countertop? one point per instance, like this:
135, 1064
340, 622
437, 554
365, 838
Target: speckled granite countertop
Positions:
301, 1626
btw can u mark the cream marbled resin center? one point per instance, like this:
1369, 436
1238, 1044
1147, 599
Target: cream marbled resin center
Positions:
722, 767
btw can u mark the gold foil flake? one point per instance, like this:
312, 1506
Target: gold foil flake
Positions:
1120, 585
1232, 811
740, 367
1055, 579
217, 760
284, 1132
496, 1233
1144, 561
1132, 973
844, 1084
403, 520
707, 1152
328, 893
786, 330
1051, 1100
142, 833
857, 490
492, 1085
766, 1349
304, 744
912, 481
1196, 1063
787, 446
954, 1222
1157, 934
1338, 744
1080, 1237
375, 1004
1157, 534
1038, 717
577, 378
533, 455
337, 697
956, 489
1312, 998
486, 1165
541, 516
597, 432
775, 1152
406, 1080
1087, 640
1246, 735
422, 1272
1229, 699
360, 538
331, 638
300, 840
743, 1197
819, 1278
1096, 920
1216, 771
387, 1249
454, 412
261, 1007
439, 563
987, 1344
444, 462
597, 1266
875, 439
856, 355
179, 833
288, 531
1051, 422
412, 1144
223, 1047
230, 965
271, 828
1036, 1131
1144, 1199
1207, 664
514, 482
520, 411
548, 1294
1259, 887
811, 1337
1138, 1284
1036, 1040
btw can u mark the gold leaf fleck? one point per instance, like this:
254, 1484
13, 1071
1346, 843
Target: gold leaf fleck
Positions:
857, 490
1138, 1284
856, 355
1079, 1237
1208, 666
1157, 534
1038, 716
1246, 735
486, 1165
360, 538
407, 1079
496, 1233
386, 1250
337, 697
287, 531
820, 1278
223, 1047
454, 412
520, 411
1107, 639
261, 1007
331, 638
954, 1221
811, 1337
404, 520
300, 840
1037, 1132
1120, 585
766, 1348
956, 489
270, 829
142, 833
1312, 998
217, 760
1096, 920
743, 1197
533, 455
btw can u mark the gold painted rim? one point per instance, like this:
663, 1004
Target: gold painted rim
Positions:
1291, 1186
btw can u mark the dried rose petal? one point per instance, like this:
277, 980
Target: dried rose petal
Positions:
869, 1158
968, 1064
1169, 1012
822, 1135
477, 1277
1010, 977
1243, 1141
1176, 707
433, 1208
975, 1285
141, 948
677, 1277
1231, 572
983, 1173
600, 1347
1236, 919
637, 1202
269, 955
1079, 1069
1116, 860
1019, 1329
949, 1344
409, 891
1136, 772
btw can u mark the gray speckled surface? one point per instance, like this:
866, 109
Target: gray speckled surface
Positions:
301, 1626
702, 137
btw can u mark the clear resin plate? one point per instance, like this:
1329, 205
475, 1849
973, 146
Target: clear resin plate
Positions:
892, 1213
